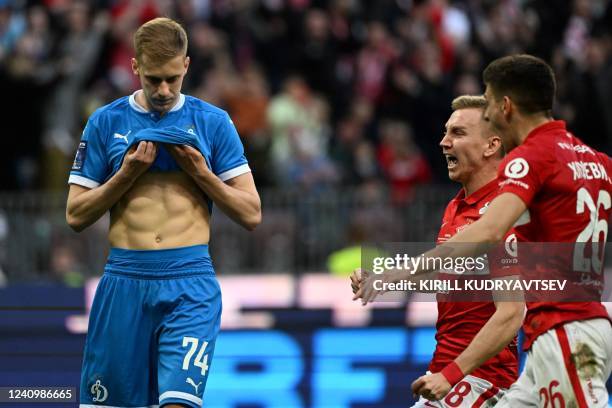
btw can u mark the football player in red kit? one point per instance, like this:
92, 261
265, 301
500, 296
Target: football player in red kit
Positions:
473, 153
563, 188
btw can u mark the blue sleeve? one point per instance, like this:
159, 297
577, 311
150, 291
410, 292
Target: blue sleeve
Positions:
90, 167
227, 158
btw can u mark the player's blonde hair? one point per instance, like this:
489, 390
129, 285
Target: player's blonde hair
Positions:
160, 40
469, 102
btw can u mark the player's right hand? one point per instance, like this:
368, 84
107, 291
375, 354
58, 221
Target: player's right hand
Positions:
139, 158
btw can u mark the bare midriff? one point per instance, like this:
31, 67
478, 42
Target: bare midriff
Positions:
160, 211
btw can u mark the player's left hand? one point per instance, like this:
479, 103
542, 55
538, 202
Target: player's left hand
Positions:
189, 159
356, 280
367, 292
365, 287
433, 387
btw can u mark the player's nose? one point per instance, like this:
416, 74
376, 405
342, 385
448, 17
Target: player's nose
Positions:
163, 89
445, 143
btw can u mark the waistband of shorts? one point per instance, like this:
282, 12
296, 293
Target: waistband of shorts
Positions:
160, 263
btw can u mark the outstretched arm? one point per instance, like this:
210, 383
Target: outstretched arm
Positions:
502, 214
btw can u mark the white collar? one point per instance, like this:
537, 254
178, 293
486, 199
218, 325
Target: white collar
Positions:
139, 108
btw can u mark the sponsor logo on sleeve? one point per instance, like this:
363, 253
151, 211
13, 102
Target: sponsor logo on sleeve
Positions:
517, 168
79, 158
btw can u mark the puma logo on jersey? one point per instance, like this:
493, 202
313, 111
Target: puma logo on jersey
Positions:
191, 382
484, 208
124, 137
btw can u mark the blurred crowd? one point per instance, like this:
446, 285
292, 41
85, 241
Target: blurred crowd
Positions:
323, 93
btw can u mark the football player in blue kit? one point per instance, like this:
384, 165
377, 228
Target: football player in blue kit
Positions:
157, 160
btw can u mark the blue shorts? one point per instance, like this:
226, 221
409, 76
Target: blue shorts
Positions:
152, 329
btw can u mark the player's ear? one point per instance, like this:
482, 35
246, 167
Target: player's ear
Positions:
187, 61
495, 147
135, 66
507, 106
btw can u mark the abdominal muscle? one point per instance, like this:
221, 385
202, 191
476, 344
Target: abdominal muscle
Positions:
160, 211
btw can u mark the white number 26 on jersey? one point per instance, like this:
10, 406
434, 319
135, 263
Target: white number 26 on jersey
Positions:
201, 359
592, 232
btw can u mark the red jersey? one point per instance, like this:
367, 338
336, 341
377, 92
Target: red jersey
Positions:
566, 187
459, 322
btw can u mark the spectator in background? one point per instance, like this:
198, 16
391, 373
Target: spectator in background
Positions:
354, 155
299, 129
65, 266
373, 62
247, 99
272, 31
210, 59
402, 163
127, 16
27, 77
12, 26
311, 169
589, 91
399, 59
502, 28
360, 247
576, 36
317, 53
78, 52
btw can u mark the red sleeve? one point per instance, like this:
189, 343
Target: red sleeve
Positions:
523, 172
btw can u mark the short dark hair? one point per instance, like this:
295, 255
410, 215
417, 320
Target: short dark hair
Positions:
527, 80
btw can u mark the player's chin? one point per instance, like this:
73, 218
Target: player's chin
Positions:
454, 174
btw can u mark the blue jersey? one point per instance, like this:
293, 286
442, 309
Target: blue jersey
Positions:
112, 129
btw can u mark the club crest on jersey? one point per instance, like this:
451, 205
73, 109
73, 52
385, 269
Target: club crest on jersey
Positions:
191, 130
517, 168
99, 392
511, 245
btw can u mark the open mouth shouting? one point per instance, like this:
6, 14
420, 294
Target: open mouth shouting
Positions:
451, 161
